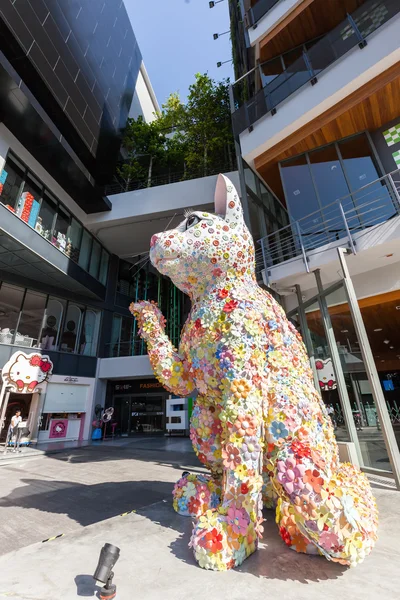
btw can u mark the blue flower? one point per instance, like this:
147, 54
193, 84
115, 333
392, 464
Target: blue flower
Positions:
239, 555
287, 340
278, 430
273, 325
214, 500
182, 503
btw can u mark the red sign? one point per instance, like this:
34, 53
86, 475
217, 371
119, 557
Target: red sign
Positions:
58, 428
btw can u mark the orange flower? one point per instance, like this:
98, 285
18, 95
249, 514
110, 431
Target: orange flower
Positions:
313, 480
240, 388
245, 425
305, 506
300, 542
212, 541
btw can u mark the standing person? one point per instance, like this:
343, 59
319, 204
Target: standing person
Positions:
13, 428
331, 413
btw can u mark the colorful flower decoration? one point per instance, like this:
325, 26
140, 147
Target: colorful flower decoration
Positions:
259, 424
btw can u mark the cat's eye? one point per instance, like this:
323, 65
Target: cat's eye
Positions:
192, 220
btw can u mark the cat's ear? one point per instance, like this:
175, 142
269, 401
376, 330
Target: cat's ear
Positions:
227, 201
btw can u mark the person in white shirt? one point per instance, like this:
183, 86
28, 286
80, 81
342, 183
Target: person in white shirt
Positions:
15, 421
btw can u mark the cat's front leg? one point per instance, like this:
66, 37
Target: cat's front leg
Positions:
223, 538
169, 368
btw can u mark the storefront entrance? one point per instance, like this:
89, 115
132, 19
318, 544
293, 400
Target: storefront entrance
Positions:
139, 414
16, 402
337, 355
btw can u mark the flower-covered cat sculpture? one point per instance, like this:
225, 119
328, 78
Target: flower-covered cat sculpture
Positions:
259, 425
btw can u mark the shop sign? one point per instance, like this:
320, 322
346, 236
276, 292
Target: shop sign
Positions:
24, 372
58, 428
136, 386
71, 379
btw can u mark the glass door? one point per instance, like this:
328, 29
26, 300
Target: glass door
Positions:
122, 405
369, 432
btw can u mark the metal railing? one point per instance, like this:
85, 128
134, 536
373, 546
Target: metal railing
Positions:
256, 12
353, 31
134, 347
119, 186
370, 205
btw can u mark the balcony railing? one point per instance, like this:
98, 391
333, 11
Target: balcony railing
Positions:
334, 224
119, 187
260, 8
351, 32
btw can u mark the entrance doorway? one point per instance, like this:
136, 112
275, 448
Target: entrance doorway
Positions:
16, 401
139, 414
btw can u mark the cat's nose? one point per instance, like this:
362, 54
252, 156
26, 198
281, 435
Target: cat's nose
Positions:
153, 240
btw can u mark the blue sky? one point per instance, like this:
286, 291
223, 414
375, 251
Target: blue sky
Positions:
176, 40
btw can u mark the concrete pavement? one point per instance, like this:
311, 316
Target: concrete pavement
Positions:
156, 563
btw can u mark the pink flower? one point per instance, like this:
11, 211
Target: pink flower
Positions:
290, 475
217, 272
231, 456
238, 519
328, 539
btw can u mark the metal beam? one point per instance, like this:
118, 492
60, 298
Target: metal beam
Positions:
340, 380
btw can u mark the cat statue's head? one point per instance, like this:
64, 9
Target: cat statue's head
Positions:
207, 248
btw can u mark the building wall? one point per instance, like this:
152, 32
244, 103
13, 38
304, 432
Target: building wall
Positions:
144, 101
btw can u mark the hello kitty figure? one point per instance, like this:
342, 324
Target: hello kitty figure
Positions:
326, 374
24, 372
259, 425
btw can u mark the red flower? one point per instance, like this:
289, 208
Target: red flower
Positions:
222, 294
197, 323
301, 450
244, 488
285, 536
230, 306
194, 505
35, 360
212, 541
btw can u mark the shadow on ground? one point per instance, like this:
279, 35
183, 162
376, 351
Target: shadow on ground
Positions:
273, 559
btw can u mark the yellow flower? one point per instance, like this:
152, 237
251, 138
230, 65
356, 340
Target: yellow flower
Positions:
241, 472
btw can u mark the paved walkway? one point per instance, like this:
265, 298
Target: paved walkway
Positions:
156, 564
81, 491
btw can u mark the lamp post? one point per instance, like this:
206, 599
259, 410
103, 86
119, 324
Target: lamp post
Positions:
219, 63
217, 35
212, 4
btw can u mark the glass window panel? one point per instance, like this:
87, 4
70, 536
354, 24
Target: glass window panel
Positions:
10, 306
72, 326
115, 335
84, 253
271, 69
29, 202
11, 179
89, 333
47, 212
373, 202
95, 259
299, 188
74, 240
55, 310
31, 320
105, 257
331, 186
63, 220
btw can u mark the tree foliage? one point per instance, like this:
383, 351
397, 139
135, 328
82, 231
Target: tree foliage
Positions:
192, 139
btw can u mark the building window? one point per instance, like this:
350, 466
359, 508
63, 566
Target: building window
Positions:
28, 198
315, 181
10, 305
30, 323
34, 320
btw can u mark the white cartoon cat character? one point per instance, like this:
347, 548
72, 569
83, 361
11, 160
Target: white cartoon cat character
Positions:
26, 371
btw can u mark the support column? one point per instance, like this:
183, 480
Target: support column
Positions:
307, 337
340, 380
372, 373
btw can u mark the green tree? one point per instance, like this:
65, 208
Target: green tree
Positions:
144, 144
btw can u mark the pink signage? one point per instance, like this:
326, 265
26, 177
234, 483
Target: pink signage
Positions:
58, 428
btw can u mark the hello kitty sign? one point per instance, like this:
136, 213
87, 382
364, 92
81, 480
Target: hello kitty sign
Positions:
24, 372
